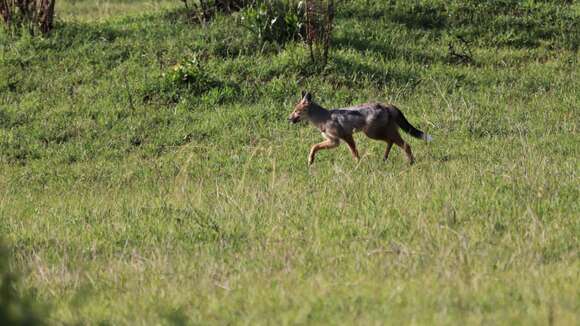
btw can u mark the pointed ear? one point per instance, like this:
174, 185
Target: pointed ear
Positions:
307, 96
303, 94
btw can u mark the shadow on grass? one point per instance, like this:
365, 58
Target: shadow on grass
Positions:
15, 309
71, 34
349, 73
413, 15
496, 23
384, 50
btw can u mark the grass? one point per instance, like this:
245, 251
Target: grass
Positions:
90, 10
125, 199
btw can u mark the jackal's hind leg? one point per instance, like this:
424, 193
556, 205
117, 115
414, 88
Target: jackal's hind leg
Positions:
407, 150
388, 150
329, 143
351, 145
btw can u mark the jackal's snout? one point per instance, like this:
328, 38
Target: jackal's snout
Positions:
301, 108
294, 118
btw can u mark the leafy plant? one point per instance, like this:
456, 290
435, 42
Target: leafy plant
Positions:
190, 74
191, 80
275, 21
204, 10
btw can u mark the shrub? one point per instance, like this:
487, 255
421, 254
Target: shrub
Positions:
191, 80
275, 21
190, 74
204, 10
279, 21
32, 15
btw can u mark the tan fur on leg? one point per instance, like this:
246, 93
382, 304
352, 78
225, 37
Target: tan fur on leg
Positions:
329, 143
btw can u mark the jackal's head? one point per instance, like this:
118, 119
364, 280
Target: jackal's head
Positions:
301, 109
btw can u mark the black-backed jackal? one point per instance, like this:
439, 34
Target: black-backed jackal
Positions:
376, 120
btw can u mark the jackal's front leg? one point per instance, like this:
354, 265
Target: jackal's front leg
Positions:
329, 143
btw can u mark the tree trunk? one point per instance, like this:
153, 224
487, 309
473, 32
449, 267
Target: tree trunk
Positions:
46, 15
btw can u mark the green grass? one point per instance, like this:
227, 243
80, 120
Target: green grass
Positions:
127, 200
90, 10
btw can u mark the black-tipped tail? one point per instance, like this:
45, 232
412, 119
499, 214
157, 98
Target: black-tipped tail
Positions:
408, 127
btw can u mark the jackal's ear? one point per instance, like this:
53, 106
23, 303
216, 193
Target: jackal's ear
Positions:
307, 96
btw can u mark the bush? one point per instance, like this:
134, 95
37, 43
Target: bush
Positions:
190, 74
191, 80
281, 21
204, 10
33, 15
275, 21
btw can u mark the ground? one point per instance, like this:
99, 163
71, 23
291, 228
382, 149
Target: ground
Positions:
126, 199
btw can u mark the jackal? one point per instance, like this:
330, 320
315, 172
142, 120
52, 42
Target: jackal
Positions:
376, 120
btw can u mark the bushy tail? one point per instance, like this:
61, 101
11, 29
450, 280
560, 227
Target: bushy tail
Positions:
407, 127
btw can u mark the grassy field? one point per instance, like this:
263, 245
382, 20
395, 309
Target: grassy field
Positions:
125, 199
